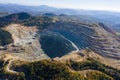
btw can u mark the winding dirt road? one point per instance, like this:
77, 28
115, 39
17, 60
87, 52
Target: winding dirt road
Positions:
8, 67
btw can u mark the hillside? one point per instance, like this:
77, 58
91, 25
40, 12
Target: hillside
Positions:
36, 47
45, 70
16, 16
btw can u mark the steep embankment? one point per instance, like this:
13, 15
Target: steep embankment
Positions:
97, 37
56, 45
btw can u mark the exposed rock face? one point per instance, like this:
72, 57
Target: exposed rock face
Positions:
22, 34
107, 43
26, 42
97, 37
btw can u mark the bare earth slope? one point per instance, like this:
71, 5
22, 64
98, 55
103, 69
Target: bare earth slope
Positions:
97, 37
26, 42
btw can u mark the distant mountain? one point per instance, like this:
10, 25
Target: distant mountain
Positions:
15, 8
109, 18
49, 14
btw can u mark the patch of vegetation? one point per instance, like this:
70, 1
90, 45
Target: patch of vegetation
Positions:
25, 19
1, 63
5, 37
5, 75
41, 22
51, 70
43, 70
9, 76
97, 76
94, 65
17, 16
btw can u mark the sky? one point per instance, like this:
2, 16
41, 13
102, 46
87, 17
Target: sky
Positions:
109, 5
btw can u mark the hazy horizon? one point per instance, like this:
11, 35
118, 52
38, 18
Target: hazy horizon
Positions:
104, 5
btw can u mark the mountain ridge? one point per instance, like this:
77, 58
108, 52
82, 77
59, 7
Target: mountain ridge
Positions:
109, 18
